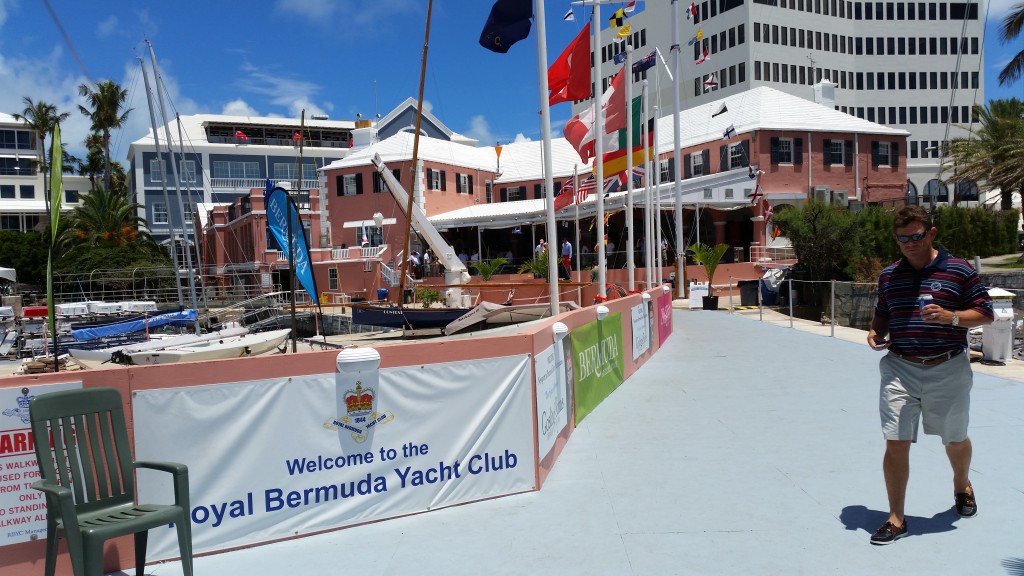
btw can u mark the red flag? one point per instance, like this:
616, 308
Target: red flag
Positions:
615, 115
630, 7
241, 135
296, 137
569, 76
579, 131
565, 197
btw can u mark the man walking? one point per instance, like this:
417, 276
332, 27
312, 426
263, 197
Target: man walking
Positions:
926, 302
567, 259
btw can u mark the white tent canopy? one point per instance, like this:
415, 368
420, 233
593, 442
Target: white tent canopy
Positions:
9, 274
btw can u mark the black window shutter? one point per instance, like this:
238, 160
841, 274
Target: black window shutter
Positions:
359, 183
444, 181
894, 156
339, 185
687, 161
378, 186
723, 158
798, 151
775, 150
745, 159
430, 178
397, 173
848, 153
536, 191
827, 152
875, 160
504, 194
707, 161
672, 168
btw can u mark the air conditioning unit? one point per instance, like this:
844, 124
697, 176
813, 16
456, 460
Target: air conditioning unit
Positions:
821, 194
840, 198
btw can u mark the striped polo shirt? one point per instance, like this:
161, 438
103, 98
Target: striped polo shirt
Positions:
954, 285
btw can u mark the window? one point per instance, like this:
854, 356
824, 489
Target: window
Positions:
159, 213
7, 191
880, 152
188, 171
189, 209
226, 169
436, 180
665, 171
737, 155
332, 278
489, 191
156, 170
782, 150
351, 185
834, 152
516, 193
464, 183
15, 140
696, 164
71, 196
286, 171
27, 191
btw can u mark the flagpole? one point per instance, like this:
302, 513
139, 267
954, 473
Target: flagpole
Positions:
657, 203
576, 196
627, 70
599, 148
676, 129
645, 140
545, 120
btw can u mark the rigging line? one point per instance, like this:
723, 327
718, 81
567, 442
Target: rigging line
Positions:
67, 40
952, 97
133, 84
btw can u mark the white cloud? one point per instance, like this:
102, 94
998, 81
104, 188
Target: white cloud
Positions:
107, 26
480, 131
3, 12
238, 107
520, 137
288, 93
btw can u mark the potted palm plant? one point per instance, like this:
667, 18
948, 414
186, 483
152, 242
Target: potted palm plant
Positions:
488, 268
709, 257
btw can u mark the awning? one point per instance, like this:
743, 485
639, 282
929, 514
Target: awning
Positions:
9, 274
366, 223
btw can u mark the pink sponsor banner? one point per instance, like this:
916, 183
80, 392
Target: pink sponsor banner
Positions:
664, 317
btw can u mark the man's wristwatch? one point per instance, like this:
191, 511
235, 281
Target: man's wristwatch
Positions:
955, 321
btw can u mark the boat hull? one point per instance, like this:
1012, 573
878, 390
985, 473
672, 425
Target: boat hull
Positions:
406, 318
234, 347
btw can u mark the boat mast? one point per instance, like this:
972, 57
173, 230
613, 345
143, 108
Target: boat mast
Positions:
291, 233
163, 183
415, 160
177, 187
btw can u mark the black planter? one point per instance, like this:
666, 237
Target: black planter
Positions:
710, 302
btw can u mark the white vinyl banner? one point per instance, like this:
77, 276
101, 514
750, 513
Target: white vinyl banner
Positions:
22, 509
552, 404
276, 458
641, 321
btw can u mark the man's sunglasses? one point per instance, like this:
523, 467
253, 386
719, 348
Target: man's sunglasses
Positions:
903, 239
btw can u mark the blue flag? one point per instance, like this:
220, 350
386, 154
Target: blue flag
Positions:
644, 63
508, 23
279, 206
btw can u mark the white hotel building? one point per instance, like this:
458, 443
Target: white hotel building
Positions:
910, 65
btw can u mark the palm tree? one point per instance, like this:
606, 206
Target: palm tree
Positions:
993, 155
106, 219
104, 111
41, 117
1008, 32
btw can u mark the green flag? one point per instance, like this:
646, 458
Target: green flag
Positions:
56, 181
56, 191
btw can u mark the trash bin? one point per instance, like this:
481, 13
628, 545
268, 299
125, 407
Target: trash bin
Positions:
382, 294
997, 337
748, 292
769, 297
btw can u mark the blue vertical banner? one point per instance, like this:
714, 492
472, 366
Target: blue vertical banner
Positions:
280, 206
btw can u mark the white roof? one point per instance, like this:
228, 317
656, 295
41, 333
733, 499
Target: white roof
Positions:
520, 161
8, 119
194, 126
763, 108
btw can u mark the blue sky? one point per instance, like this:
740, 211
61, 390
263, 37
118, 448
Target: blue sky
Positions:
277, 57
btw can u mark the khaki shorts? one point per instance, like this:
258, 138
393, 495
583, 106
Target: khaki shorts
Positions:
938, 395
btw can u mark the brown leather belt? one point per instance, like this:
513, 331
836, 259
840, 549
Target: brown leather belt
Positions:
931, 360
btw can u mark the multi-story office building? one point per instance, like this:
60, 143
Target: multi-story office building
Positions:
916, 66
221, 158
23, 187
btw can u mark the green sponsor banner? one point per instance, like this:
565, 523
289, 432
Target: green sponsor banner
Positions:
598, 366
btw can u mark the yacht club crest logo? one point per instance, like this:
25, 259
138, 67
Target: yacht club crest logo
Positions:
21, 411
359, 415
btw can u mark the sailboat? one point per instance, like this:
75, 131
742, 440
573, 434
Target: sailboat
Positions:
399, 316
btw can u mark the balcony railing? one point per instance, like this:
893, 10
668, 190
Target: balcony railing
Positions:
246, 184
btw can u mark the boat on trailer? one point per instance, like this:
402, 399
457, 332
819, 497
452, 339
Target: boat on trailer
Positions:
230, 347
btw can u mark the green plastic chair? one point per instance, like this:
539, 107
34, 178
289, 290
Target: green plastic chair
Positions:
88, 477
